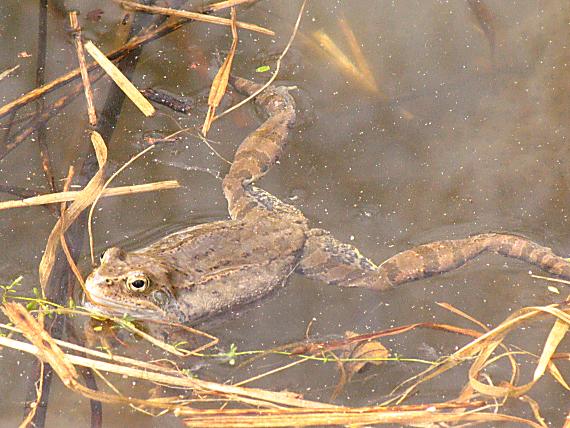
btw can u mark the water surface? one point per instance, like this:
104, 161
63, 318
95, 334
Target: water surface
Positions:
483, 148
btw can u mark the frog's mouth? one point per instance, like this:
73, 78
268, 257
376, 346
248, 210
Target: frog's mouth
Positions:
107, 306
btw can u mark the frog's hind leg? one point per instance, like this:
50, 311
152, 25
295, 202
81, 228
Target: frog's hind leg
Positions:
260, 149
327, 259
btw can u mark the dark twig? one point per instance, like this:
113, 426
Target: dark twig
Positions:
174, 102
41, 131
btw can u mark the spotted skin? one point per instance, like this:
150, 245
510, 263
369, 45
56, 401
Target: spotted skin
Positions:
217, 267
326, 259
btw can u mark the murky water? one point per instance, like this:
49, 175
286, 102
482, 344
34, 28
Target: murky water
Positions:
467, 142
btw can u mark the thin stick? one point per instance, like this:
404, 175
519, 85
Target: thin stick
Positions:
55, 198
270, 372
214, 7
193, 15
74, 23
90, 217
277, 67
27, 422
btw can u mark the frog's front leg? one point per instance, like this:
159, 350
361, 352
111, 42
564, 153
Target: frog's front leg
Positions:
326, 259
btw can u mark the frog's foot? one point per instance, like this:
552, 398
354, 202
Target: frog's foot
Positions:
328, 260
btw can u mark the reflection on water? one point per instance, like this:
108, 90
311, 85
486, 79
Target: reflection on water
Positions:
485, 149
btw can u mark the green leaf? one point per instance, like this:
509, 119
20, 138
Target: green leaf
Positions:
262, 69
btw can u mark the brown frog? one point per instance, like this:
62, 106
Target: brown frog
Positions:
212, 268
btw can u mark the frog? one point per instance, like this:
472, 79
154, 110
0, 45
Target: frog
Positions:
206, 270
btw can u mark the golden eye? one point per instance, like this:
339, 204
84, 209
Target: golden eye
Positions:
138, 283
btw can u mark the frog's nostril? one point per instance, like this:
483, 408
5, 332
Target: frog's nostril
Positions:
108, 281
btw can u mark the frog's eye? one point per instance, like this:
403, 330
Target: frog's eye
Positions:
101, 256
138, 283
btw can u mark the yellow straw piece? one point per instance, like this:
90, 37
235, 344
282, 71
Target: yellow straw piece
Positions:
119, 78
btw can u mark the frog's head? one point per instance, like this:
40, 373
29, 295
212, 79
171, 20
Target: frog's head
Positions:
135, 284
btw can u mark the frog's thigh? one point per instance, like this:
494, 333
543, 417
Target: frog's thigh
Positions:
326, 259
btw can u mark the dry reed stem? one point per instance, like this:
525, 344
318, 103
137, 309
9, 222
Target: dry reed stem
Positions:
194, 16
105, 355
55, 198
45, 348
119, 78
551, 279
74, 24
400, 415
116, 55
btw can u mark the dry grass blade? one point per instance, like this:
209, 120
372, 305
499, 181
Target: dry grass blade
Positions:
535, 410
62, 240
7, 72
462, 314
555, 373
55, 198
343, 62
119, 78
356, 50
220, 82
49, 352
484, 346
556, 335
82, 201
194, 16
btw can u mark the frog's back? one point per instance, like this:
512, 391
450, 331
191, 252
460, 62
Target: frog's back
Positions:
222, 265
